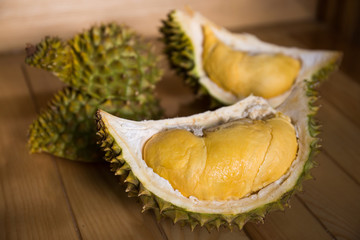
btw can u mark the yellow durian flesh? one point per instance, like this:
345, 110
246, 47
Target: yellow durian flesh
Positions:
226, 163
242, 74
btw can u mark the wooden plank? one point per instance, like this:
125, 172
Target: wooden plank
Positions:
100, 205
294, 223
32, 201
340, 139
334, 198
344, 93
33, 20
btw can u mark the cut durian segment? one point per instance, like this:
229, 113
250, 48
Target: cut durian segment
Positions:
124, 141
225, 163
235, 66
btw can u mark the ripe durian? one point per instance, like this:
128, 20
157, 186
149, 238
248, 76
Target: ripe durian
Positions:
108, 67
230, 67
167, 187
196, 170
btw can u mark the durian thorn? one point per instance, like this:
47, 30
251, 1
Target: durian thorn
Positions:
217, 223
180, 216
163, 205
132, 179
193, 225
130, 188
240, 221
149, 203
143, 191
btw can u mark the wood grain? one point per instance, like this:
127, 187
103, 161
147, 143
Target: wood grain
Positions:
344, 94
334, 199
35, 19
340, 139
289, 224
32, 201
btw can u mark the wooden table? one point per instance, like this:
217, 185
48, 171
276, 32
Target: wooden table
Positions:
44, 197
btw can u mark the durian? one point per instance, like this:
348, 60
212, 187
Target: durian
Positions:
231, 165
230, 67
108, 67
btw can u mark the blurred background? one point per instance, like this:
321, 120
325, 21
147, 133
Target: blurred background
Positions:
337, 21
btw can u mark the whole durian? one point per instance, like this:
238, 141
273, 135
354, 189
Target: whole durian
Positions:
108, 67
234, 164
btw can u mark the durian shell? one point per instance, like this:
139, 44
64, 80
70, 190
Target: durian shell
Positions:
106, 66
115, 139
106, 61
66, 128
183, 37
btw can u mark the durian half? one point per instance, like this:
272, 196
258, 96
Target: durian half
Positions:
231, 66
124, 142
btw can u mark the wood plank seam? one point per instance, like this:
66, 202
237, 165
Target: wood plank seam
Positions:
340, 167
341, 111
75, 222
54, 160
315, 216
161, 229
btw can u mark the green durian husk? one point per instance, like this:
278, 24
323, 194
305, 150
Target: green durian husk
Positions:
107, 61
180, 50
163, 208
66, 128
107, 67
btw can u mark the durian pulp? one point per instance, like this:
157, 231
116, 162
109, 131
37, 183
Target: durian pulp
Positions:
227, 162
264, 75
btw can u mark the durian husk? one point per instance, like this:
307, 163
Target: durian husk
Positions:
66, 128
108, 67
106, 61
300, 106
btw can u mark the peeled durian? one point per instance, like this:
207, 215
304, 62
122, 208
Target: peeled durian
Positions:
230, 67
222, 167
106, 67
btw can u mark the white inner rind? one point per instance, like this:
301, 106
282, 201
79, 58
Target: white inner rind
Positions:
192, 26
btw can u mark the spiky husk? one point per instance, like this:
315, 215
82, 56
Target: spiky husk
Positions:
180, 50
107, 67
107, 61
66, 128
162, 208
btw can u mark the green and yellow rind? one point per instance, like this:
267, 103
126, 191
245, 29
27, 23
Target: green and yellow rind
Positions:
162, 208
